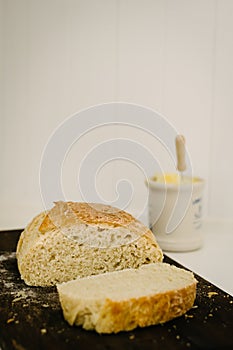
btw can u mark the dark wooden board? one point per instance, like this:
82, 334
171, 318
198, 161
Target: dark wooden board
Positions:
31, 317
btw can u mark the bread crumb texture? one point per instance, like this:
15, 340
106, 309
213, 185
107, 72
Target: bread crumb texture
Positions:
82, 239
124, 300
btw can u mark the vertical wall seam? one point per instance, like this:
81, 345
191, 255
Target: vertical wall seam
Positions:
164, 58
117, 49
212, 107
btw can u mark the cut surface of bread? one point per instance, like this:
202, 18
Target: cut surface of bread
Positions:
81, 239
123, 300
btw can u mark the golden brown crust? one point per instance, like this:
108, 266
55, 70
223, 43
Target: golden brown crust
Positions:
67, 213
30, 234
145, 311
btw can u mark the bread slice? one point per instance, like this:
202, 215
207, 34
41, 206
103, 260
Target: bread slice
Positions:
123, 300
82, 239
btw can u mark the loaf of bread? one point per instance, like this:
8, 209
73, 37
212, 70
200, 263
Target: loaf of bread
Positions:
82, 239
123, 300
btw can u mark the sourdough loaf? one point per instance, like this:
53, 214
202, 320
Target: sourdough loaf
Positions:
81, 239
123, 300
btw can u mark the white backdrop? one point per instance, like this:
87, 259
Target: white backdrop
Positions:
58, 57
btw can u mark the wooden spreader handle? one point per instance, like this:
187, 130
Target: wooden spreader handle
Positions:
180, 152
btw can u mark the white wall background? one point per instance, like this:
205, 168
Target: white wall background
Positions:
60, 56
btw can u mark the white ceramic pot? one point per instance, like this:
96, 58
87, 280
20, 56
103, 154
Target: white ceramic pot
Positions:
175, 214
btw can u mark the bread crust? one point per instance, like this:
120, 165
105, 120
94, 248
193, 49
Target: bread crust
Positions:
43, 248
145, 311
67, 213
